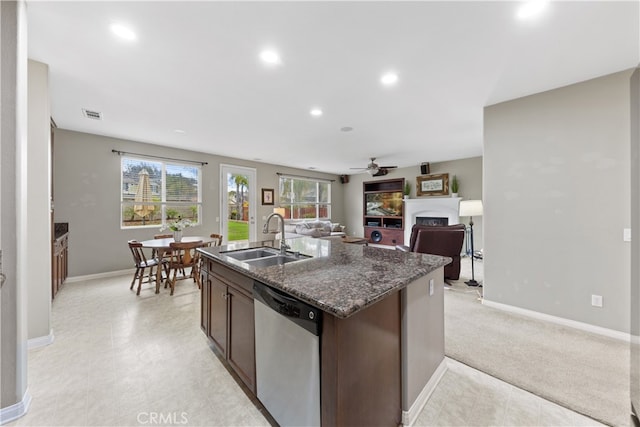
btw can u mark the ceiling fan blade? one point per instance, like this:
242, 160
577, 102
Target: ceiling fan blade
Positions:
387, 167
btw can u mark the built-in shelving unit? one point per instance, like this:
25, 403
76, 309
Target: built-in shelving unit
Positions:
383, 219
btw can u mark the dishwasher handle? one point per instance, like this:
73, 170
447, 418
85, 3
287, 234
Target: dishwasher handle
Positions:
291, 308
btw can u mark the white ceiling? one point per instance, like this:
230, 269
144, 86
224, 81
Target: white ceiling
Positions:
195, 67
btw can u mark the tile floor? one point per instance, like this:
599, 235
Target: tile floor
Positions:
122, 360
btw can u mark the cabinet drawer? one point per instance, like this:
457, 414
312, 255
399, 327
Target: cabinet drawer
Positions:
207, 264
232, 278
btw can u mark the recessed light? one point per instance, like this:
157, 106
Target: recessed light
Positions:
270, 57
531, 9
180, 131
123, 32
389, 79
346, 129
312, 167
316, 112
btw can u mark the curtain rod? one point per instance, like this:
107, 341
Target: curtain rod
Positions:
122, 153
307, 177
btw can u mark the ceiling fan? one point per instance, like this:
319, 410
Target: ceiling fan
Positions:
374, 169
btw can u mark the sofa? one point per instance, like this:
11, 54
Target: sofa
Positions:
444, 240
313, 228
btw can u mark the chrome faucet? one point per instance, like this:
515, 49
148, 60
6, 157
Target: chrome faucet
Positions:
265, 230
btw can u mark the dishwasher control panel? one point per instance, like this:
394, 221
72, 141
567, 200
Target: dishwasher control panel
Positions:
292, 308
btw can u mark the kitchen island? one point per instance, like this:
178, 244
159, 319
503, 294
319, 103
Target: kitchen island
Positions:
382, 328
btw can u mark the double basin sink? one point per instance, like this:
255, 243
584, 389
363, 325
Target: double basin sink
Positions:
264, 256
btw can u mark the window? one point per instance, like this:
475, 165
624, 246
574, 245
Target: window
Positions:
304, 198
153, 192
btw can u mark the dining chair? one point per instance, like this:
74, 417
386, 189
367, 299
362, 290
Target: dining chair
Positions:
217, 241
183, 255
142, 263
165, 254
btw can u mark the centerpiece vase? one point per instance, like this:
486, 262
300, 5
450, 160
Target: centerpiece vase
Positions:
177, 235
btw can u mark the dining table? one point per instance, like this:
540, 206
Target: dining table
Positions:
162, 246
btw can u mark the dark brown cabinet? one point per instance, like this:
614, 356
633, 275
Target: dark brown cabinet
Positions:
218, 313
383, 218
359, 355
227, 317
241, 342
59, 263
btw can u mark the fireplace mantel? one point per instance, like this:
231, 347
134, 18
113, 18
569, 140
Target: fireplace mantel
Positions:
446, 207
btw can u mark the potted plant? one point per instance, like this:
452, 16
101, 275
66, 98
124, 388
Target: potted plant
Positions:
454, 186
177, 227
407, 189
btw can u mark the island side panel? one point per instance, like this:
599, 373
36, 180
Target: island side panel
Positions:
423, 334
361, 366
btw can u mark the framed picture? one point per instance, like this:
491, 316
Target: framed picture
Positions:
267, 196
433, 185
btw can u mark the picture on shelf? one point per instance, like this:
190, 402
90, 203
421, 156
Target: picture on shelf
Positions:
432, 185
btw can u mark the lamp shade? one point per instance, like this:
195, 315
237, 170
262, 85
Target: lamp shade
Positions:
280, 211
470, 208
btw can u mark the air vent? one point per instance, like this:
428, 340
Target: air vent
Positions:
95, 115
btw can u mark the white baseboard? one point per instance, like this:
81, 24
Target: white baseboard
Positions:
611, 333
16, 410
99, 275
409, 417
40, 341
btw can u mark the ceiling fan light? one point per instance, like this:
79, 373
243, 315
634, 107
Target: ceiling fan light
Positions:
372, 171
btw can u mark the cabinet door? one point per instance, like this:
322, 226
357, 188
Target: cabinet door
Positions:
218, 313
205, 285
54, 272
65, 259
241, 344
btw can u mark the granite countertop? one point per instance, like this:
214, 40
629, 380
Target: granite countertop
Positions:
340, 278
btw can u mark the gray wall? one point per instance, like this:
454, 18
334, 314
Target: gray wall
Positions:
87, 196
556, 201
422, 334
38, 210
635, 242
13, 157
468, 171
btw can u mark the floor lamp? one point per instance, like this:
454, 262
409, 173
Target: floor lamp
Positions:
471, 208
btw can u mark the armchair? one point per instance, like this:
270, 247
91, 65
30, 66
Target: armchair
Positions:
443, 240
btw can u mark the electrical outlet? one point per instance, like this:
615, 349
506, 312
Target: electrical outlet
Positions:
596, 300
626, 235
217, 219
430, 287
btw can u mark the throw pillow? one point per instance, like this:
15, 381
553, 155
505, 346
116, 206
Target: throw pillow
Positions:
313, 232
326, 226
302, 228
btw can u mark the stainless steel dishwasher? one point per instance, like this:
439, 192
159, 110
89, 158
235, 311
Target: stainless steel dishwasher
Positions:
287, 357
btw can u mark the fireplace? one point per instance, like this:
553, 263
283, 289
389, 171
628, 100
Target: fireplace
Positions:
432, 220
439, 209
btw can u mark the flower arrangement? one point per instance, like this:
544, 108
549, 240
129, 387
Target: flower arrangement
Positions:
178, 225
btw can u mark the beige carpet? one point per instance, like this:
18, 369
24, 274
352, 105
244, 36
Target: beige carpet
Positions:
585, 372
